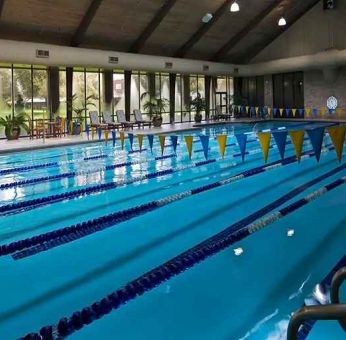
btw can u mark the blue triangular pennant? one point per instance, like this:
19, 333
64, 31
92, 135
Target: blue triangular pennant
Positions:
113, 137
205, 144
174, 141
315, 112
275, 110
151, 142
99, 131
288, 112
280, 138
301, 112
242, 139
316, 138
130, 135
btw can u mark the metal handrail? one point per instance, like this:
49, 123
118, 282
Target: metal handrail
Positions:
321, 312
334, 311
338, 279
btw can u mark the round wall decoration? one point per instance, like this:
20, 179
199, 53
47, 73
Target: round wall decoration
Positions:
332, 103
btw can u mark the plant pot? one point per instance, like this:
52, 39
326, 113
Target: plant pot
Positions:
198, 117
12, 134
157, 121
76, 130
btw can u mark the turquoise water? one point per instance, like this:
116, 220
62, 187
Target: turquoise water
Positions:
250, 296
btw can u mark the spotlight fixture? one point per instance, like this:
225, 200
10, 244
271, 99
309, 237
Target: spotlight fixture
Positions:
282, 21
235, 7
207, 18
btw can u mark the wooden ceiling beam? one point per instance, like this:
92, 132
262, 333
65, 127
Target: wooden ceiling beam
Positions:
2, 2
85, 23
151, 27
184, 49
222, 52
259, 47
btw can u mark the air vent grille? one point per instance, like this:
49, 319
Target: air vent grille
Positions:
205, 67
113, 60
42, 54
168, 65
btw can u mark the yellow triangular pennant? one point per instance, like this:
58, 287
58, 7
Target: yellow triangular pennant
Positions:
339, 111
106, 135
281, 112
122, 139
269, 111
307, 111
264, 139
92, 133
140, 141
323, 111
294, 111
162, 139
256, 109
222, 140
189, 143
337, 135
297, 138
247, 109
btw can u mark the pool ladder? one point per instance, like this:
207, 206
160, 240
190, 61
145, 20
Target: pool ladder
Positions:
333, 311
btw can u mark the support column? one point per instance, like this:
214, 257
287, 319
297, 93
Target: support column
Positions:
108, 89
69, 92
172, 79
53, 91
128, 94
151, 81
207, 82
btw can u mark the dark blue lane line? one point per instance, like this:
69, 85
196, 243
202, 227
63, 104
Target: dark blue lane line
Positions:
307, 326
51, 239
186, 260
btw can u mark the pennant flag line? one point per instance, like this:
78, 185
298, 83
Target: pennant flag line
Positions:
337, 135
92, 133
140, 141
280, 140
113, 137
222, 141
264, 139
174, 141
106, 135
122, 139
130, 136
87, 130
99, 133
242, 139
189, 144
316, 138
162, 139
151, 142
205, 144
297, 138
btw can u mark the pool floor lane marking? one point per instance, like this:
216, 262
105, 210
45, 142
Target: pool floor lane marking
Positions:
182, 262
43, 242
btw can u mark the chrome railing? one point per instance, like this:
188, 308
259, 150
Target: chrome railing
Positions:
333, 311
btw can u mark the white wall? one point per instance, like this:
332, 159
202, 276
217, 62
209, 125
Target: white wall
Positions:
316, 31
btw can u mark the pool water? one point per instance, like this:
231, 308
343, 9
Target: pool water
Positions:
247, 291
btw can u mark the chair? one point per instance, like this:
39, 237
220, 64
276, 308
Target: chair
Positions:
40, 128
95, 122
59, 127
139, 119
220, 114
122, 120
107, 119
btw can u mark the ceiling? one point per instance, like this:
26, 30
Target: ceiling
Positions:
156, 27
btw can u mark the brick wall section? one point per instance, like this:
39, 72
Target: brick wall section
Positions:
317, 89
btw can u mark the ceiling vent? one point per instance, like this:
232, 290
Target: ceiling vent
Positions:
113, 60
205, 67
42, 54
168, 65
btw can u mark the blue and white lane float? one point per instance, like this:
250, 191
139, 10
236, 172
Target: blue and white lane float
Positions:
40, 202
186, 260
42, 242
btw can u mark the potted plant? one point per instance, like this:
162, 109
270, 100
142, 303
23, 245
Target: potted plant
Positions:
14, 124
155, 106
79, 108
198, 105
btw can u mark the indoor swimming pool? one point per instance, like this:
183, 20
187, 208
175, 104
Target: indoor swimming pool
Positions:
100, 242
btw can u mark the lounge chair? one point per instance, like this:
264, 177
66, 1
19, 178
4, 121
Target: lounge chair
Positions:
221, 115
122, 120
95, 122
139, 119
107, 119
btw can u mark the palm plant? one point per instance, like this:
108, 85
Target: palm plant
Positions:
154, 106
14, 123
198, 104
79, 108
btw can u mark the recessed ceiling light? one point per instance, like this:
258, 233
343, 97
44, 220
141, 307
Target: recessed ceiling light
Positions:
282, 21
207, 18
235, 7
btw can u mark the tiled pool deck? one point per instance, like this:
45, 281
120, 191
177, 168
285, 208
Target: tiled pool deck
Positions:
24, 144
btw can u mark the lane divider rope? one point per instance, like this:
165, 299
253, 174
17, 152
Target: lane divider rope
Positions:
182, 262
65, 235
